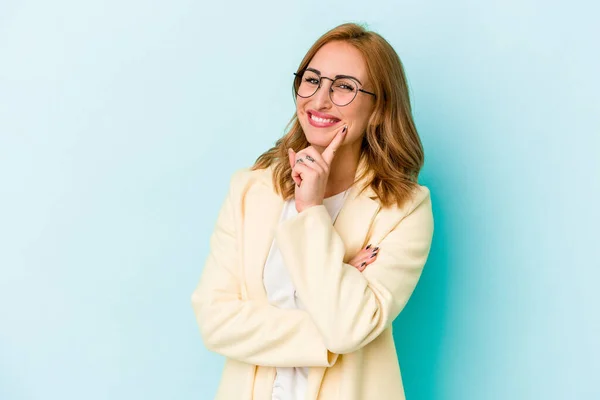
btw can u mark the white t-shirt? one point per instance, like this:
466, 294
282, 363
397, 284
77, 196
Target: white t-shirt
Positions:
290, 382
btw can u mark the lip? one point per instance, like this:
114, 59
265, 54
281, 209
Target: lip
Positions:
320, 115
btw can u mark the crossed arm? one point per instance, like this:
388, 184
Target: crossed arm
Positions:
345, 308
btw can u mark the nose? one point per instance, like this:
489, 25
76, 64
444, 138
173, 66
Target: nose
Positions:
322, 98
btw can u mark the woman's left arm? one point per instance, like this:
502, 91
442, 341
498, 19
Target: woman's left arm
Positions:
351, 308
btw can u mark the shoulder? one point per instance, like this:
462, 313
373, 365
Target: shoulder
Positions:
415, 214
420, 197
243, 178
239, 176
420, 207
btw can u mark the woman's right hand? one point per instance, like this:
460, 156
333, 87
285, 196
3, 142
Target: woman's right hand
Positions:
364, 257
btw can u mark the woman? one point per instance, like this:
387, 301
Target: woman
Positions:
318, 246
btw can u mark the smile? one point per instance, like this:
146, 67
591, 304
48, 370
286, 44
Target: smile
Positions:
321, 122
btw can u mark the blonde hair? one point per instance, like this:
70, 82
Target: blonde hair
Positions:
391, 147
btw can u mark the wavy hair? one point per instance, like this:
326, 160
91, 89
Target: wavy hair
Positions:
391, 148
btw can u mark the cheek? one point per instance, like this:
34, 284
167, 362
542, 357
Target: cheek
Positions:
301, 114
358, 115
300, 103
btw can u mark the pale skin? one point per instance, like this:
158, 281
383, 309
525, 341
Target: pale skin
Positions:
335, 149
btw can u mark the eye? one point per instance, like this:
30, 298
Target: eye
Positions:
344, 85
312, 81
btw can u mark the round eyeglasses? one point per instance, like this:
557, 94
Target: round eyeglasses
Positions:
342, 91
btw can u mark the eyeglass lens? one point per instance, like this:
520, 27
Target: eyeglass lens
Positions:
342, 92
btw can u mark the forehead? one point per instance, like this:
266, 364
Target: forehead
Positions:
339, 58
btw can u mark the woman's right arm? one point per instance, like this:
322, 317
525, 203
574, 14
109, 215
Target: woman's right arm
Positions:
246, 330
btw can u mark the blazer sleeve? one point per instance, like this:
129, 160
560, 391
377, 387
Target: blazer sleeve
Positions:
245, 330
351, 308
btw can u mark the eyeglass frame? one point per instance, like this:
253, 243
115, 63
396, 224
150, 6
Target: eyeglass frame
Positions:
301, 72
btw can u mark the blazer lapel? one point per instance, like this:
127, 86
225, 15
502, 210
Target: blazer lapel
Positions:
355, 220
259, 231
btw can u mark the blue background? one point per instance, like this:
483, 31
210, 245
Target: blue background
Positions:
122, 121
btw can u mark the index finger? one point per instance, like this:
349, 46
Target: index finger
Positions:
329, 152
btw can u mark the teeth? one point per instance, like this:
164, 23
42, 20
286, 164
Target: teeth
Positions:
322, 120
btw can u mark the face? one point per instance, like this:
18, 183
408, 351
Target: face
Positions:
336, 58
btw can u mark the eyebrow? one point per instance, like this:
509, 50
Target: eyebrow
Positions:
316, 71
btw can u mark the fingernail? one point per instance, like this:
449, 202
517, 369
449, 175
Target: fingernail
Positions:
363, 264
376, 248
367, 248
344, 130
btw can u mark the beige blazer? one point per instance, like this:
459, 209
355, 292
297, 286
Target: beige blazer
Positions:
345, 333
